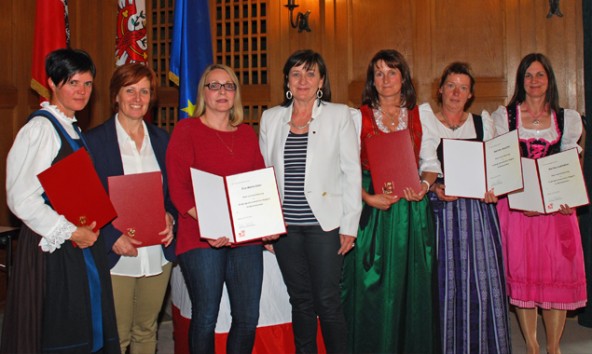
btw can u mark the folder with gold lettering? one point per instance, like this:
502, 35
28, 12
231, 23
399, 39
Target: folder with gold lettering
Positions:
392, 163
75, 191
139, 202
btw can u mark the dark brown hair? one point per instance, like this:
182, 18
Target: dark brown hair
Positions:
394, 60
310, 59
552, 95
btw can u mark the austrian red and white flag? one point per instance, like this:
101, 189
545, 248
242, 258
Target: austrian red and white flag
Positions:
51, 32
274, 332
131, 41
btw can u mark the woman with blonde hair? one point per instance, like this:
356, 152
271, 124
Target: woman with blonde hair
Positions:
215, 141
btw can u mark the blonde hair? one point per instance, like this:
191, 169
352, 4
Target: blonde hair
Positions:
236, 112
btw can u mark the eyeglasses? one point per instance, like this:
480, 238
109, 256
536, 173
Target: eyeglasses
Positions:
216, 86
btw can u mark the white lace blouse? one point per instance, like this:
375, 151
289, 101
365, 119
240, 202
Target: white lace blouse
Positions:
35, 147
433, 131
572, 128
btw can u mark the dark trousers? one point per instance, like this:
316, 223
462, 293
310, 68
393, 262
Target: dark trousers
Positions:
311, 269
205, 271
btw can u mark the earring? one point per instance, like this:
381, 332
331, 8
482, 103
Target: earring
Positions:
319, 94
289, 95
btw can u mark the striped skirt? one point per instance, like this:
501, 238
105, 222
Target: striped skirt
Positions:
473, 302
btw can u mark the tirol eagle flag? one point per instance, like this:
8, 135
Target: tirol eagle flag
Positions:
131, 39
51, 32
191, 50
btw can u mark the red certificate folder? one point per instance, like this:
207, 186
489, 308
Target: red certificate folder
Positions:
139, 203
75, 190
392, 163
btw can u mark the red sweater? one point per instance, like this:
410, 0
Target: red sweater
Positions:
195, 145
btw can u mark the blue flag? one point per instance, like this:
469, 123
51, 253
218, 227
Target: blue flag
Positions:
191, 50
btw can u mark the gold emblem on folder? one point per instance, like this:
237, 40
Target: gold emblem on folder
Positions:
388, 187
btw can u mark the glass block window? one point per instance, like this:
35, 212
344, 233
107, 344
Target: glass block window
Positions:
240, 41
239, 37
160, 25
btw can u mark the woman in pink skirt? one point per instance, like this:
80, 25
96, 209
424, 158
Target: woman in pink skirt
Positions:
543, 253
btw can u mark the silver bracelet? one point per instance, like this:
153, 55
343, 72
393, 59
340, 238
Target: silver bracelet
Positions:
426, 183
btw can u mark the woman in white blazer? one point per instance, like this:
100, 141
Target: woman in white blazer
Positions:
313, 146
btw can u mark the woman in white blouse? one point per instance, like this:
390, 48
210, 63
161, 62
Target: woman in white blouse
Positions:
124, 145
473, 305
542, 253
59, 299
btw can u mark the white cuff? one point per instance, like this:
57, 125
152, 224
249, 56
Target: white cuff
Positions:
60, 234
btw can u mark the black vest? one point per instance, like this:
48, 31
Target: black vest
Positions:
553, 148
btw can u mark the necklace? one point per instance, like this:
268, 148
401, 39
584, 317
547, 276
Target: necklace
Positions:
394, 124
229, 148
453, 127
536, 117
390, 119
300, 127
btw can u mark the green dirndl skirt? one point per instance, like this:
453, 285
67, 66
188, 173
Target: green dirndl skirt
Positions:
389, 287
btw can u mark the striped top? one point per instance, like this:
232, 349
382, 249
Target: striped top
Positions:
296, 208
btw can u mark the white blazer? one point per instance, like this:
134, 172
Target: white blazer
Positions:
333, 178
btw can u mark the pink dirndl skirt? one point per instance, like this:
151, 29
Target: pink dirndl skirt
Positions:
543, 259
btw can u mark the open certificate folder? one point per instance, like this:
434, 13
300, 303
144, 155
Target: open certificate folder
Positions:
139, 202
550, 182
75, 191
242, 207
473, 167
392, 162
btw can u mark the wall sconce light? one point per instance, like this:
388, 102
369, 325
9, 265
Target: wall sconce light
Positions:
301, 19
554, 9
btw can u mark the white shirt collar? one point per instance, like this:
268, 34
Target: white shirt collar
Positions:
57, 113
122, 135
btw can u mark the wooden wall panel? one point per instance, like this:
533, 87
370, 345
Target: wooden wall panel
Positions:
469, 36
11, 94
376, 25
335, 50
6, 9
92, 24
491, 35
560, 38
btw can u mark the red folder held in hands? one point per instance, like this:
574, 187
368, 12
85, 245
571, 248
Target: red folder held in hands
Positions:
75, 191
139, 203
392, 163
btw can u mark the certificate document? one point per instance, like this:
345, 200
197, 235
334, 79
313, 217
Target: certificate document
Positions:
550, 182
473, 167
242, 207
